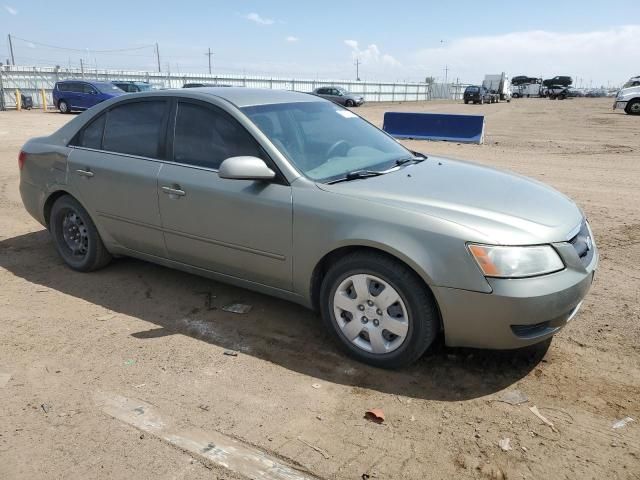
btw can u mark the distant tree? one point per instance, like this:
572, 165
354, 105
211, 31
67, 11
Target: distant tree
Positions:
429, 80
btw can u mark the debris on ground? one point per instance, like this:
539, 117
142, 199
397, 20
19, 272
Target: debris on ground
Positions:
204, 407
317, 449
505, 444
139, 385
622, 422
129, 362
374, 415
316, 385
45, 408
237, 308
230, 353
4, 379
104, 318
537, 413
513, 397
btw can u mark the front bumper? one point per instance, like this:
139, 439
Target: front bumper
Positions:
620, 104
519, 312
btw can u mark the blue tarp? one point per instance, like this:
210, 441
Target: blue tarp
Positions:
435, 126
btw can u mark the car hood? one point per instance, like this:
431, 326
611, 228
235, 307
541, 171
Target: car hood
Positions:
504, 208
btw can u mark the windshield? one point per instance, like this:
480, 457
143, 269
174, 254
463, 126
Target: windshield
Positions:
144, 87
631, 83
106, 87
472, 89
326, 141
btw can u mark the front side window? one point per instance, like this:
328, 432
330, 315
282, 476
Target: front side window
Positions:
206, 136
325, 141
135, 128
86, 88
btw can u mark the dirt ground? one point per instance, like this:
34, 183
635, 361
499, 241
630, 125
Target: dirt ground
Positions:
150, 333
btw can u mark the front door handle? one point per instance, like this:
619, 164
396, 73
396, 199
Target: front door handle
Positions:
175, 190
85, 173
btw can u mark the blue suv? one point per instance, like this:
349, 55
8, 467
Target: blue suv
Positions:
70, 95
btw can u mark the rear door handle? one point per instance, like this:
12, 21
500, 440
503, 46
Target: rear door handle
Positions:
85, 173
174, 191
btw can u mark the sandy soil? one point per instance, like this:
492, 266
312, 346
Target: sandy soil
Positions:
147, 332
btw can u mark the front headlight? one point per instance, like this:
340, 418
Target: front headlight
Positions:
516, 262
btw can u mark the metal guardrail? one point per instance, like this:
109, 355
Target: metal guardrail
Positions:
32, 80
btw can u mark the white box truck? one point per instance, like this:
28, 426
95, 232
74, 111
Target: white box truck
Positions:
498, 84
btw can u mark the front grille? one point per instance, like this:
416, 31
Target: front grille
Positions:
583, 244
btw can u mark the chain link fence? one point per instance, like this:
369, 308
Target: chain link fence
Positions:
31, 81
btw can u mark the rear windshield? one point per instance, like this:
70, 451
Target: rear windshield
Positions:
472, 89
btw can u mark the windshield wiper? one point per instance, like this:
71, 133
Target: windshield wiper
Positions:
416, 159
356, 175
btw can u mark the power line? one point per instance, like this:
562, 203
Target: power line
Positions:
80, 49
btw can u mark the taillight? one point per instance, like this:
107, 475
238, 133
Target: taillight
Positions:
21, 158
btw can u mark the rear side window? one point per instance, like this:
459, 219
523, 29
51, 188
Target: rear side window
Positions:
135, 128
91, 135
206, 136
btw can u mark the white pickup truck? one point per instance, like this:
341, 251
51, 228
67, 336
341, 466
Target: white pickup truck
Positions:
628, 98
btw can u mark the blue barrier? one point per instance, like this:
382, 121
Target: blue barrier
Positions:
435, 126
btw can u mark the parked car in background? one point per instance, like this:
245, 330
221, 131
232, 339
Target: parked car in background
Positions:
291, 195
477, 94
340, 96
78, 95
132, 87
574, 92
560, 80
628, 98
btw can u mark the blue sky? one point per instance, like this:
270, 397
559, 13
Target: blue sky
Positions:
596, 42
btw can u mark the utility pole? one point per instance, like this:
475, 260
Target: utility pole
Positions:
357, 64
81, 67
209, 54
446, 74
13, 58
158, 56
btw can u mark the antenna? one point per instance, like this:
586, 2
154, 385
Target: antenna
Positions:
357, 63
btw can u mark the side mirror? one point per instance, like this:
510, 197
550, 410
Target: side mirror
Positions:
245, 168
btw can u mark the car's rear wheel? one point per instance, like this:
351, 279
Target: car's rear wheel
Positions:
633, 107
76, 237
380, 311
466, 102
63, 106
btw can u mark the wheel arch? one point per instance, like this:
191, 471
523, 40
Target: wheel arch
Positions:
340, 252
51, 199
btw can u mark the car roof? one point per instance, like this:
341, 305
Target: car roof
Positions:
246, 97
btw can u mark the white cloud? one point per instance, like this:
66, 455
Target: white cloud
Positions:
598, 56
371, 55
254, 17
10, 9
292, 39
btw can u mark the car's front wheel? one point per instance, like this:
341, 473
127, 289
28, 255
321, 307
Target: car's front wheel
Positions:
349, 103
380, 311
633, 107
76, 237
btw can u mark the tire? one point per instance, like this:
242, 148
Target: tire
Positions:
414, 306
466, 102
72, 228
349, 103
63, 106
633, 107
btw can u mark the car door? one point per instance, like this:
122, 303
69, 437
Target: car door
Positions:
90, 95
113, 168
73, 94
240, 228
